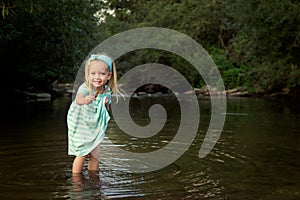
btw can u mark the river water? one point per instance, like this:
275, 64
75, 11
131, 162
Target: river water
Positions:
256, 157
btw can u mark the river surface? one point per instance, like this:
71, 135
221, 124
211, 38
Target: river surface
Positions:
256, 157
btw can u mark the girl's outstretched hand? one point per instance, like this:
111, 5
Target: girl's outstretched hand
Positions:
89, 99
81, 99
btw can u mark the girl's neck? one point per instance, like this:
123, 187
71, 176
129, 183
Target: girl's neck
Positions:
100, 90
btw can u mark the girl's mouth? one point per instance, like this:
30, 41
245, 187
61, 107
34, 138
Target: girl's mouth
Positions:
97, 82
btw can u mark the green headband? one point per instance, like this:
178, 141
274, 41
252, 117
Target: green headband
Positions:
104, 58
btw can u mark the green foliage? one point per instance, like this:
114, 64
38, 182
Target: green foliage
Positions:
204, 21
11, 7
281, 76
268, 41
50, 39
233, 76
255, 44
272, 26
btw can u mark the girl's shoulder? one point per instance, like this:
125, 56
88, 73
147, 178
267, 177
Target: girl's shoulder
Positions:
83, 85
83, 89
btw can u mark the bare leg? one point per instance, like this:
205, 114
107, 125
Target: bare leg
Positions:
94, 162
78, 164
77, 182
94, 177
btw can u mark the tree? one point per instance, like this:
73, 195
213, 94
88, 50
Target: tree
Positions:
47, 42
254, 43
268, 41
204, 20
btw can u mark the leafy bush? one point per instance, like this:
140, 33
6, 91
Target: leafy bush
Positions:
233, 76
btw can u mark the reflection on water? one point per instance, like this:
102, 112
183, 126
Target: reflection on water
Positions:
257, 155
85, 187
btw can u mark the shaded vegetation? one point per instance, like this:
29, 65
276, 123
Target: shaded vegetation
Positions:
42, 41
255, 44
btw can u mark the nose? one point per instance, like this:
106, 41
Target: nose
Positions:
97, 76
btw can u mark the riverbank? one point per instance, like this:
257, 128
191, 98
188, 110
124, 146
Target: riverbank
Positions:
66, 89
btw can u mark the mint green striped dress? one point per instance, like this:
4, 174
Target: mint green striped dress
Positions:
87, 123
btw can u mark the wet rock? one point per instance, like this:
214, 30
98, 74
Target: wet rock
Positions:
62, 89
240, 94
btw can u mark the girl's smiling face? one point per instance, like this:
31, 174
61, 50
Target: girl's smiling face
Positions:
99, 74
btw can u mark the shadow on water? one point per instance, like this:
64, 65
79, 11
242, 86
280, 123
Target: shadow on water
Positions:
257, 155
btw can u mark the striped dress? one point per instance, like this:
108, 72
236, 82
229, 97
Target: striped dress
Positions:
87, 123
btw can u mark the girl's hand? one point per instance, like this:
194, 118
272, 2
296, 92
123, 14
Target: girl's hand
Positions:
81, 99
89, 99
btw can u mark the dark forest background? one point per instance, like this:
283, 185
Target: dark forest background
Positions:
254, 43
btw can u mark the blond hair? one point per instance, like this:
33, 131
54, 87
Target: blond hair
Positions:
112, 82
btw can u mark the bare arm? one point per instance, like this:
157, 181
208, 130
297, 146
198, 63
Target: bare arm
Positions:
106, 104
81, 99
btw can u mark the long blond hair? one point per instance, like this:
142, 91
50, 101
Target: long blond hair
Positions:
112, 82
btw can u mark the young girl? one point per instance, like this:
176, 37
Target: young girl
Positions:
88, 115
